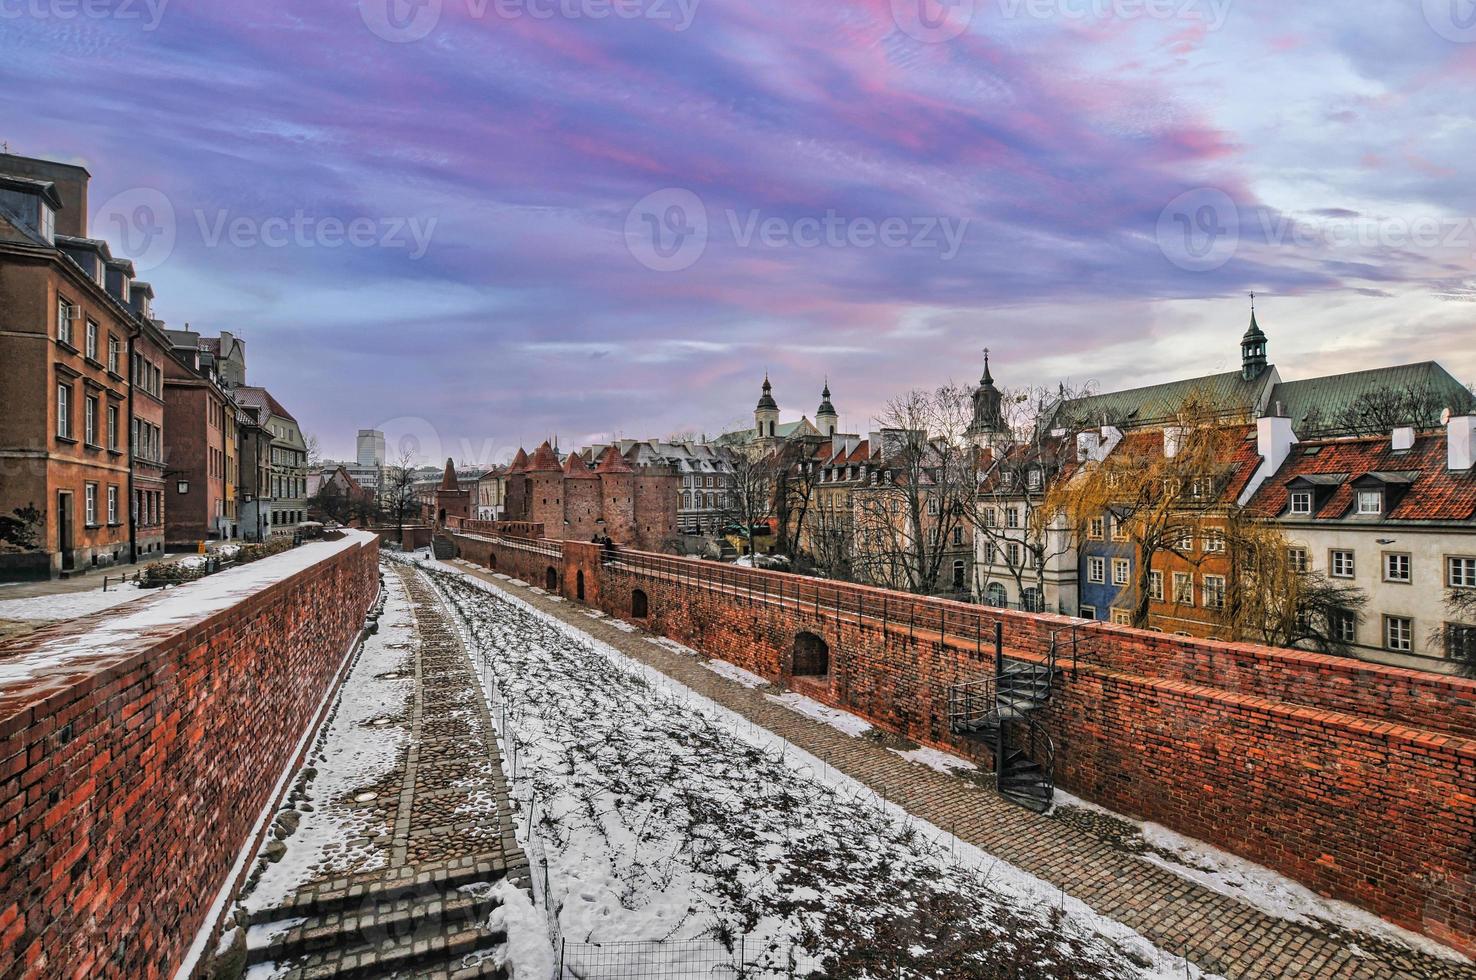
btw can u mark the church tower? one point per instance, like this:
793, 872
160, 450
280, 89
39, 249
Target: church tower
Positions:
988, 427
766, 416
827, 420
1253, 348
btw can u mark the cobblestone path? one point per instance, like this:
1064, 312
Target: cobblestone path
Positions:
410, 889
1218, 933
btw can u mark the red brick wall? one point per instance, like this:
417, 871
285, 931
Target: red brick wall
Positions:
1355, 779
128, 789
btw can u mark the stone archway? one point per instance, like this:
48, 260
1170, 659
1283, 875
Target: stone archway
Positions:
640, 605
551, 580
811, 656
579, 585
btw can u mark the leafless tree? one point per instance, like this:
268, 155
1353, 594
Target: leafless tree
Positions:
1385, 408
749, 500
1458, 638
397, 490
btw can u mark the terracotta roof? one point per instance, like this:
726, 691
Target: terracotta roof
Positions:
576, 469
251, 395
544, 460
613, 462
519, 463
448, 479
1422, 487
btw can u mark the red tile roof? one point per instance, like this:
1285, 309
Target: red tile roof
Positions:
544, 460
519, 463
1436, 493
613, 462
575, 468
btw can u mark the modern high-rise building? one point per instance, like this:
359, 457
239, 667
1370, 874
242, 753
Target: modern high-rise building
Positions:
371, 448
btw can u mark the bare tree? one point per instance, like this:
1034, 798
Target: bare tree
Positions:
924, 489
749, 500
1387, 407
397, 490
1458, 638
314, 451
795, 473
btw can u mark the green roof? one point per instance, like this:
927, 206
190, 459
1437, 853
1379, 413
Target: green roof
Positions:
1160, 403
1314, 405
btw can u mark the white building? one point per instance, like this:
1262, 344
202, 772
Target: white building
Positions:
1393, 515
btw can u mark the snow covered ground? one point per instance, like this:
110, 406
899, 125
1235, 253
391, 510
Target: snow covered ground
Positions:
70, 605
663, 817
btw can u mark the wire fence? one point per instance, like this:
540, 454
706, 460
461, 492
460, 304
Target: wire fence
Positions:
683, 959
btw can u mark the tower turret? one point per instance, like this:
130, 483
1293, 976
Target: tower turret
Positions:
1253, 348
766, 416
827, 420
988, 425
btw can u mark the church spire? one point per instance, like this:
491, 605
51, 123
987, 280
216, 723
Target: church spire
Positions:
1253, 348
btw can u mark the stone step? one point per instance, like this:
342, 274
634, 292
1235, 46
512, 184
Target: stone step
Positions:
400, 920
406, 882
442, 955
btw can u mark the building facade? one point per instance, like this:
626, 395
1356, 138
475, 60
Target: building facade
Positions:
577, 500
195, 434
289, 460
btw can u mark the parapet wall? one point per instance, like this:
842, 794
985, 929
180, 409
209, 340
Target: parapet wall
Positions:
138, 747
1357, 780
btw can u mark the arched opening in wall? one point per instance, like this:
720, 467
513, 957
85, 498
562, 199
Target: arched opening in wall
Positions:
579, 585
640, 606
811, 656
492, 561
551, 580
442, 519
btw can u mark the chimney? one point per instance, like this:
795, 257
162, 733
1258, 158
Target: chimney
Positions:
1173, 438
1274, 438
1460, 434
1087, 444
1403, 440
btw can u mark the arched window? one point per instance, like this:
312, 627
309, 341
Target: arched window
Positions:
996, 595
551, 580
579, 585
640, 606
958, 575
1032, 601
811, 656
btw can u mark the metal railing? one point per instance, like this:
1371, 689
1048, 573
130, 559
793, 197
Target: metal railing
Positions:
543, 546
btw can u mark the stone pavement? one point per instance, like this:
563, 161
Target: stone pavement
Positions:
1071, 850
413, 894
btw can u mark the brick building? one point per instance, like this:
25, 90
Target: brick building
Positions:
195, 433
254, 472
66, 329
146, 428
288, 460
575, 501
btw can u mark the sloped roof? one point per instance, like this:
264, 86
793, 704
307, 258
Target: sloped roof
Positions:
1157, 404
1435, 493
261, 398
1332, 394
576, 469
544, 460
519, 463
613, 462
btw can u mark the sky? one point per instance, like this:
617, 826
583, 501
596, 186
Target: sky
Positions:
476, 224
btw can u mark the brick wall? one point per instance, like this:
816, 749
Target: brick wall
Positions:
1355, 779
130, 781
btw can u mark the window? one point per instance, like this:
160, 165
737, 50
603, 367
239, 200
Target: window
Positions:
991, 517
958, 535
1341, 564
1301, 502
112, 427
113, 349
1460, 573
1396, 567
91, 349
1121, 569
1012, 555
89, 420
1012, 516
64, 313
1344, 627
958, 575
1185, 542
1214, 592
1095, 528
1460, 642
933, 506
1122, 617
112, 505
1155, 585
1214, 541
64, 411
1370, 502
1088, 612
1398, 633
1298, 559
1097, 570
1034, 479
1184, 588
1119, 529
91, 498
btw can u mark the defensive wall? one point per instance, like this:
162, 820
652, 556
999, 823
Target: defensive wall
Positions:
1357, 780
140, 746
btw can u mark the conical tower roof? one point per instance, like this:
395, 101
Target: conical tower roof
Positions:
448, 479
613, 462
519, 463
544, 460
575, 468
766, 400
825, 407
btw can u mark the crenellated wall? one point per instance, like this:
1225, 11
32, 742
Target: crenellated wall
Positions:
1355, 779
139, 746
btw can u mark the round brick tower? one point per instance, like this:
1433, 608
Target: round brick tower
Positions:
617, 496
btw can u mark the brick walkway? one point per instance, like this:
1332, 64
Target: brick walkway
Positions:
412, 896
1219, 934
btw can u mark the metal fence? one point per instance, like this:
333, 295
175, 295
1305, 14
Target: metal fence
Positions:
684, 959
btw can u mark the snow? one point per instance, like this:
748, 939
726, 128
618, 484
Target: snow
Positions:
842, 721
350, 756
70, 605
1259, 886
736, 674
943, 762
658, 815
177, 607
529, 951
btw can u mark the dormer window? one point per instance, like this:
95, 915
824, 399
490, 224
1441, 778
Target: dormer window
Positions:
47, 224
1370, 502
1301, 502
